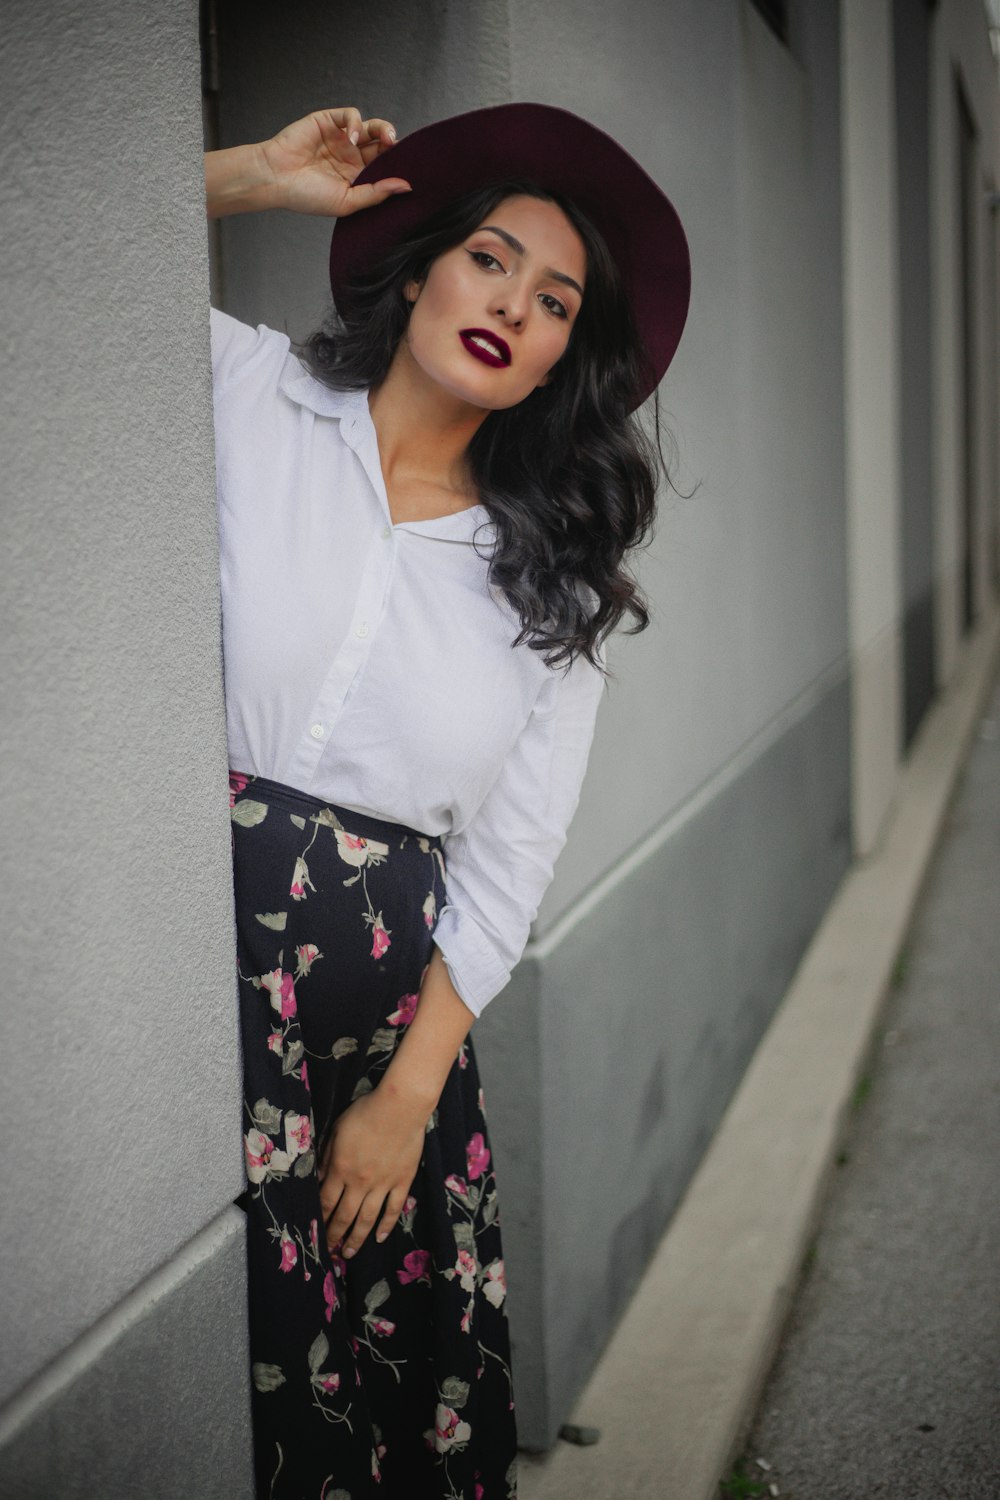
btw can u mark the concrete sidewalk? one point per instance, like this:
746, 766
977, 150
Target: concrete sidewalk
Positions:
681, 1379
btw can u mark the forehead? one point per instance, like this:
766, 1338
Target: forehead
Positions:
545, 232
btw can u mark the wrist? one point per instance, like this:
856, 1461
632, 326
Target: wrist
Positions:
408, 1092
239, 180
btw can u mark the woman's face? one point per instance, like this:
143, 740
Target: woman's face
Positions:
494, 314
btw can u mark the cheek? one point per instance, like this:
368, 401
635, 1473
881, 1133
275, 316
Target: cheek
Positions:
554, 347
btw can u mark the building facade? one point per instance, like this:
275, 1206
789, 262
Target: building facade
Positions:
829, 543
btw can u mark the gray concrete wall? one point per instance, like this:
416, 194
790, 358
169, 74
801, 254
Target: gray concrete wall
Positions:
119, 1062
720, 765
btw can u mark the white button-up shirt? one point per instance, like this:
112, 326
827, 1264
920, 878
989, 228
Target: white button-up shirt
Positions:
370, 664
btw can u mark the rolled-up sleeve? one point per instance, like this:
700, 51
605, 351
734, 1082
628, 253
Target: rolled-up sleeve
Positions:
500, 865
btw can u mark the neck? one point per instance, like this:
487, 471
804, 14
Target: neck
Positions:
423, 430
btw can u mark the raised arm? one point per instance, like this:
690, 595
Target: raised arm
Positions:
309, 168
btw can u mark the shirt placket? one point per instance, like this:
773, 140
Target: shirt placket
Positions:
369, 609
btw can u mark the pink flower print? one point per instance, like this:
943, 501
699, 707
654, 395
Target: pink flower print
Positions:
380, 938
495, 1283
352, 850
306, 955
305, 1075
457, 1186
406, 1011
281, 989
477, 1155
449, 1429
300, 879
430, 908
463, 1057
382, 1327
330, 1294
275, 1041
466, 1322
339, 1264
415, 1267
314, 1235
262, 1157
406, 1215
328, 1383
298, 1133
465, 1270
237, 784
480, 1492
289, 1254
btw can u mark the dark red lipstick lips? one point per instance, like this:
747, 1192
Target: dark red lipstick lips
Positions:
497, 352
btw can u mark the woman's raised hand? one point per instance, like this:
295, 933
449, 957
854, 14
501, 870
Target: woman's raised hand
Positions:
309, 167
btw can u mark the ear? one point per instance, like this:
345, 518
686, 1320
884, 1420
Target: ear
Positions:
412, 290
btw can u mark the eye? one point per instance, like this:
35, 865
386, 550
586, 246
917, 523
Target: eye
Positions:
482, 256
553, 304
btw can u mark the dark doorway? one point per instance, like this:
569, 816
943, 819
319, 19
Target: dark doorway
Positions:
968, 198
911, 58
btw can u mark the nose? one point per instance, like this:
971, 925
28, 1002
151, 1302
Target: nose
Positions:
508, 304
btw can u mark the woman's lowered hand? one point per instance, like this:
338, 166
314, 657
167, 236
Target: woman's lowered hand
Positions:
375, 1149
309, 167
369, 1163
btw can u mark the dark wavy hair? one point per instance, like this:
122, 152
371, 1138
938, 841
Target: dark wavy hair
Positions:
568, 475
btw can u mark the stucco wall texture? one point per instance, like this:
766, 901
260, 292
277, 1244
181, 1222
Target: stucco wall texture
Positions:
119, 1061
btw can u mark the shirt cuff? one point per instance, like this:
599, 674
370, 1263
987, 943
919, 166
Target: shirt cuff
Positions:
475, 968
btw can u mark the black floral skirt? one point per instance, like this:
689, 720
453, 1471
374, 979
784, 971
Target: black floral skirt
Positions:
387, 1375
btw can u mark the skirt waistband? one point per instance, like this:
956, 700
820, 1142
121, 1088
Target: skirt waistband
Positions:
304, 804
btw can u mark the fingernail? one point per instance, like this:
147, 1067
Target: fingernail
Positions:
380, 1237
348, 1254
354, 137
391, 133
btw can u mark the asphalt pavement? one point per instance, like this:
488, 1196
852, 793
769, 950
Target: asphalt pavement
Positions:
887, 1379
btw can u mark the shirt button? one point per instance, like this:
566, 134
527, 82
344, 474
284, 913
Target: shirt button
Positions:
362, 629
386, 533
317, 731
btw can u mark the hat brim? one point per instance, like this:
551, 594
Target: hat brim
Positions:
562, 154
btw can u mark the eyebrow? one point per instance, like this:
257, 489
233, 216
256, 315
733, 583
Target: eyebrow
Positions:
519, 249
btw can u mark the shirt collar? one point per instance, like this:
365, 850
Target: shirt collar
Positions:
351, 409
300, 386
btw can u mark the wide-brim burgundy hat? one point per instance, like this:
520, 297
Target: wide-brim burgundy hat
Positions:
561, 153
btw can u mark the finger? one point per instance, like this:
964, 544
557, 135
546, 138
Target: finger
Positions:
348, 119
370, 193
330, 1191
382, 131
342, 1217
377, 137
366, 1219
391, 1212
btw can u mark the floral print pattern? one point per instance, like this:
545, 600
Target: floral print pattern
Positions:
388, 1376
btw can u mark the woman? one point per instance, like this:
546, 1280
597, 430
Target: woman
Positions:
423, 528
